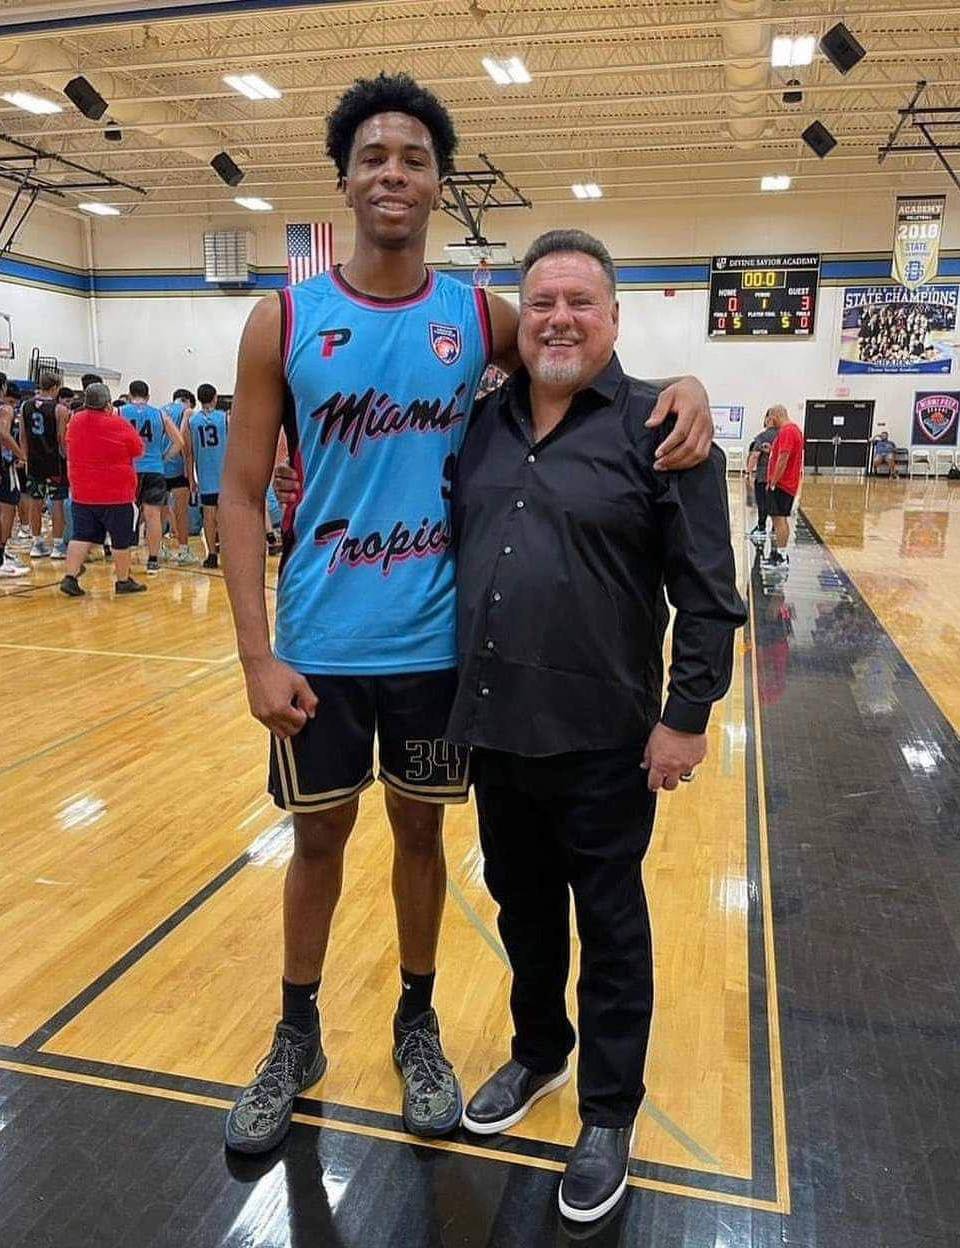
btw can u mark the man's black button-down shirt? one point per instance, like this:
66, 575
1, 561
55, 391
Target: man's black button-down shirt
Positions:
564, 547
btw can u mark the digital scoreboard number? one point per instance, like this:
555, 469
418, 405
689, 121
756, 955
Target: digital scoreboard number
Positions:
763, 296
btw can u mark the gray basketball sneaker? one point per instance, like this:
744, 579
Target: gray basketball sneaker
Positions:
261, 1116
432, 1101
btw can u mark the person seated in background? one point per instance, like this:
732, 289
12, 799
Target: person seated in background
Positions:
885, 455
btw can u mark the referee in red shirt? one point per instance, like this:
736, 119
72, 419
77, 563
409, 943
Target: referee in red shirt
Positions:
101, 448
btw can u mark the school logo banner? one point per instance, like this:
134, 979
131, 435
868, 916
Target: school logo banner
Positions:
916, 244
935, 418
890, 329
446, 343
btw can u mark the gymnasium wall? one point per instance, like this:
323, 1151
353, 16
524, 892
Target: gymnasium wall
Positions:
43, 313
156, 318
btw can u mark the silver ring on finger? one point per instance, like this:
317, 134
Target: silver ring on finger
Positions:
686, 776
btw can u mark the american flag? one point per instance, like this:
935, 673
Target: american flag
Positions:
309, 250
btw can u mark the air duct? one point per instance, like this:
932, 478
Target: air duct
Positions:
749, 42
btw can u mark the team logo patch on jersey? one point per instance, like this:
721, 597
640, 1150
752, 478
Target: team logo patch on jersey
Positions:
446, 342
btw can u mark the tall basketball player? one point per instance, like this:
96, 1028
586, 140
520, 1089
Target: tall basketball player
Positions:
371, 369
175, 478
161, 442
207, 431
43, 427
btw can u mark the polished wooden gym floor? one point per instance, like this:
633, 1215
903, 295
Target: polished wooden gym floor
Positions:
140, 922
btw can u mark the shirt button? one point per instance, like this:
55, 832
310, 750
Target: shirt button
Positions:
496, 596
508, 550
489, 645
484, 691
519, 504
531, 459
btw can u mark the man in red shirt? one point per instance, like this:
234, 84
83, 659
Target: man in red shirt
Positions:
101, 448
783, 480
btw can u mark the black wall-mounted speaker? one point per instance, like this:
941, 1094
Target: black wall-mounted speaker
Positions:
85, 97
793, 94
819, 138
842, 48
226, 169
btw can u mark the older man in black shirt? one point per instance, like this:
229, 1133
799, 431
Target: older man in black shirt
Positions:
567, 534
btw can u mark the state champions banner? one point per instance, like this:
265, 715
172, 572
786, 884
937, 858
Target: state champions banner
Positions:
890, 329
916, 240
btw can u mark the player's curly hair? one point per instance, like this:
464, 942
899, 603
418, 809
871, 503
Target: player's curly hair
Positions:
396, 93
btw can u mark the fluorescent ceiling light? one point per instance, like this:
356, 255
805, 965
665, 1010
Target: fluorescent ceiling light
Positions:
586, 190
775, 182
101, 210
511, 72
787, 51
254, 204
252, 86
579, 190
31, 103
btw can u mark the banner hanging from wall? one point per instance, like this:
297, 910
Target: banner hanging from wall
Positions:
916, 240
890, 329
936, 418
728, 422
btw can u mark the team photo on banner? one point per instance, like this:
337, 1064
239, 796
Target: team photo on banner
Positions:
890, 329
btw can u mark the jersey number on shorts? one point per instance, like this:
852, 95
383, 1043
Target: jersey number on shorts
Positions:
430, 757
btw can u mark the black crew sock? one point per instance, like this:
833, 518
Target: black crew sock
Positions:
300, 1006
3, 551
415, 995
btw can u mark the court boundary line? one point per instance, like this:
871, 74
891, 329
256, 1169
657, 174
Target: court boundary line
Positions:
319, 1120
117, 654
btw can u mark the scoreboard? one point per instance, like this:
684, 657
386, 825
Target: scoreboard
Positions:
763, 296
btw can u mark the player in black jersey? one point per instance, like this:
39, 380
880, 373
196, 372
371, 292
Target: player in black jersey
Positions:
43, 427
10, 565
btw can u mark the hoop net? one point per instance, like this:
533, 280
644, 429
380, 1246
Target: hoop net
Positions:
482, 273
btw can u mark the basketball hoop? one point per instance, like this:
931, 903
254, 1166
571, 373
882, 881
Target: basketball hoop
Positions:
482, 273
6, 337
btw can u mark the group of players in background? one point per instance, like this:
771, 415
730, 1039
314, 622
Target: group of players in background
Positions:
895, 333
184, 448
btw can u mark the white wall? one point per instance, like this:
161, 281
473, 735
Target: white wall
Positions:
57, 324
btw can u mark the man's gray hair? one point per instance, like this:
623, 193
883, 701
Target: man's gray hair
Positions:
569, 240
97, 396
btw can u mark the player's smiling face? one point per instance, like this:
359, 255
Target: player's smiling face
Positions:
392, 182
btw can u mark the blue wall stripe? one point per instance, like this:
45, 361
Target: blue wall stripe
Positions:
657, 276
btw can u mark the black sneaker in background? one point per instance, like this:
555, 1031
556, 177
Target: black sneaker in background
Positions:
71, 587
129, 586
211, 560
261, 1116
432, 1101
153, 566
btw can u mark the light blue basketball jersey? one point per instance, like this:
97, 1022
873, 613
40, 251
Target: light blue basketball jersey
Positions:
173, 467
148, 422
381, 394
208, 432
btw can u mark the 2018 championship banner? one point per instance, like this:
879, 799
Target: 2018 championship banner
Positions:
916, 243
890, 329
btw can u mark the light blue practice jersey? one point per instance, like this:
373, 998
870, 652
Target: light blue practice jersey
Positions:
173, 467
208, 432
148, 422
380, 395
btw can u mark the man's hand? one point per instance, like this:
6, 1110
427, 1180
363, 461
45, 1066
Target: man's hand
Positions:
689, 442
286, 484
670, 755
279, 697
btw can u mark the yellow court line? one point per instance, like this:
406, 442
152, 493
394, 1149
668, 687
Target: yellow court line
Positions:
777, 1091
117, 654
395, 1137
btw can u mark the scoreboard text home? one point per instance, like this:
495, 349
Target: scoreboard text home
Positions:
763, 296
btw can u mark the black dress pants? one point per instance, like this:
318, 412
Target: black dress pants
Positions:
575, 823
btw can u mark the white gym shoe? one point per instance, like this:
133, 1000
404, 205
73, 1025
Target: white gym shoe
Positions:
39, 550
186, 558
59, 550
10, 568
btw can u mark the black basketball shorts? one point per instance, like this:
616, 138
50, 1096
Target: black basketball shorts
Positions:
330, 760
176, 483
42, 489
92, 522
779, 502
151, 489
9, 485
